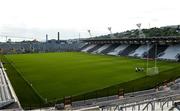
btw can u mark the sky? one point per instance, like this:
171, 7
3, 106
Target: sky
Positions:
33, 19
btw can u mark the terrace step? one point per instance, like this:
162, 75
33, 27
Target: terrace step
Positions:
129, 50
112, 47
95, 48
152, 54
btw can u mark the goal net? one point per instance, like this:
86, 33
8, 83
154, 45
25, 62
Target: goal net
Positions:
152, 71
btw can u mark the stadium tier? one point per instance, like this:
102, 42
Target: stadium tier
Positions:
110, 48
118, 49
6, 97
166, 52
160, 48
88, 48
130, 49
156, 51
139, 52
84, 46
171, 53
102, 48
95, 48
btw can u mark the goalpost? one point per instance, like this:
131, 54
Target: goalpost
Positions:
149, 70
152, 70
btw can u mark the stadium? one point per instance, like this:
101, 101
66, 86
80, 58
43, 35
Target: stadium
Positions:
97, 73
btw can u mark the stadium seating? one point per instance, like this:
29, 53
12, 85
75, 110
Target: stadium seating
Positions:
104, 47
152, 52
84, 46
110, 48
95, 48
88, 48
140, 51
163, 51
118, 49
171, 52
129, 50
5, 95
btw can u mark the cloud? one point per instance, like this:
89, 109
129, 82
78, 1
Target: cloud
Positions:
70, 17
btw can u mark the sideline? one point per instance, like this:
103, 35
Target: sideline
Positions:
10, 87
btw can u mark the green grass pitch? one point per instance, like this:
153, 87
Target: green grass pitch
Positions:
55, 75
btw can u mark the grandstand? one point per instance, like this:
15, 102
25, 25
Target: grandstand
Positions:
171, 53
87, 48
102, 48
117, 50
139, 52
7, 95
166, 48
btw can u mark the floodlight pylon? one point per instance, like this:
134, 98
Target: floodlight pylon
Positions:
89, 31
110, 30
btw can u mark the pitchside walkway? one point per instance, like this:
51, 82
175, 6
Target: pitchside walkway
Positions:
8, 98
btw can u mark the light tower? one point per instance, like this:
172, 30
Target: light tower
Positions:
89, 31
46, 37
141, 34
178, 29
110, 30
79, 37
58, 36
6, 39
